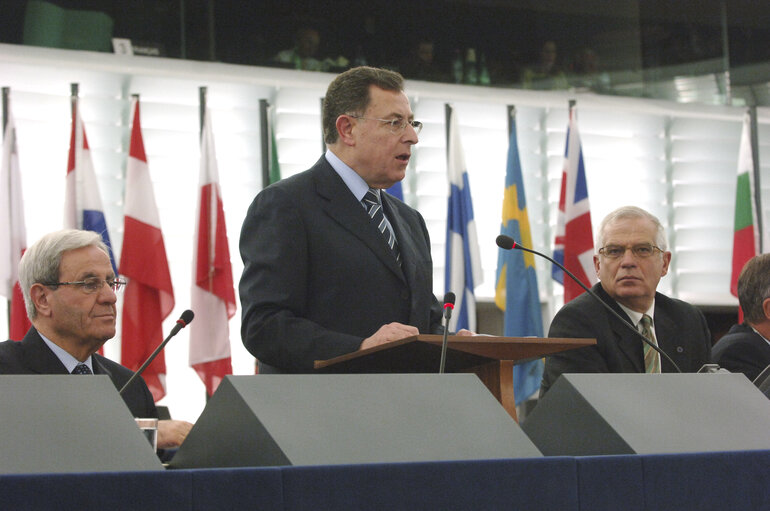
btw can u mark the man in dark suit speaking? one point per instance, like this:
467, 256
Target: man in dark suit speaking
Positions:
69, 292
629, 263
331, 263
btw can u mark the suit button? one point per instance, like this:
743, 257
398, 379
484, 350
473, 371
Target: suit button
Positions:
404, 295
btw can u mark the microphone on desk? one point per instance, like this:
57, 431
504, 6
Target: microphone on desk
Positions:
183, 321
508, 243
449, 305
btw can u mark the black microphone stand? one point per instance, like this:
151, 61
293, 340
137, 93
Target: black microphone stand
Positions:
447, 314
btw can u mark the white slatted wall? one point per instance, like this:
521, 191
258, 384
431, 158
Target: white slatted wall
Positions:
677, 161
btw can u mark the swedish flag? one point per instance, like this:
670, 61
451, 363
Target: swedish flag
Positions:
516, 292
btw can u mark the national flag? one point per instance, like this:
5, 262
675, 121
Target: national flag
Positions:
213, 292
13, 232
746, 235
516, 292
463, 261
574, 245
149, 295
82, 201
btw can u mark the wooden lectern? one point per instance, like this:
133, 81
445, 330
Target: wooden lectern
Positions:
490, 358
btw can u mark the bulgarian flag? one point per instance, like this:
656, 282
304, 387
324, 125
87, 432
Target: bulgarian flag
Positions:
149, 295
746, 237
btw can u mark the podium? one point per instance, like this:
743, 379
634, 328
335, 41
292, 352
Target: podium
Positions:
488, 357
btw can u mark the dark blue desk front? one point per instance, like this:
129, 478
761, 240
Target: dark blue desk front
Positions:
702, 481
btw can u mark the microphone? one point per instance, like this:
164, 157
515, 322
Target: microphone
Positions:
449, 305
183, 321
508, 243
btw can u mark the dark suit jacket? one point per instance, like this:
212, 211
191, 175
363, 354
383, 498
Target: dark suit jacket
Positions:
742, 350
32, 356
318, 277
680, 330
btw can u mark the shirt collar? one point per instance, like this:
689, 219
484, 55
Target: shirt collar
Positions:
68, 360
636, 317
757, 332
353, 181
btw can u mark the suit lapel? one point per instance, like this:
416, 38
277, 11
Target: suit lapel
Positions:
628, 342
99, 368
38, 357
666, 335
340, 204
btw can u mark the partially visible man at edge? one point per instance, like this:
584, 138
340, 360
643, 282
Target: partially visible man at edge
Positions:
73, 313
319, 278
629, 263
746, 348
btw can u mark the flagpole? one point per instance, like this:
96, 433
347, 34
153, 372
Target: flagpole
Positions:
323, 141
264, 140
202, 91
447, 119
754, 141
6, 95
203, 94
202, 98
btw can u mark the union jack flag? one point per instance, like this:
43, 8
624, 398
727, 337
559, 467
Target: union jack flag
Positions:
574, 245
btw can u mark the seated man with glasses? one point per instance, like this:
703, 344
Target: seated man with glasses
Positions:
69, 292
629, 263
332, 264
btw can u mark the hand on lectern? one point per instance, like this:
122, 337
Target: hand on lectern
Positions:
388, 333
171, 433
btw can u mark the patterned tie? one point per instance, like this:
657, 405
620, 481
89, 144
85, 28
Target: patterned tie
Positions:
374, 208
651, 357
81, 369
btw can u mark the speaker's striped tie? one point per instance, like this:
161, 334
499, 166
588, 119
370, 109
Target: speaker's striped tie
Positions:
374, 208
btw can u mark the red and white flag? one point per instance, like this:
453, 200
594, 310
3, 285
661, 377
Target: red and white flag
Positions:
149, 296
13, 233
574, 244
213, 293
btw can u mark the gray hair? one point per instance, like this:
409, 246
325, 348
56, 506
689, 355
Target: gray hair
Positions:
632, 212
40, 262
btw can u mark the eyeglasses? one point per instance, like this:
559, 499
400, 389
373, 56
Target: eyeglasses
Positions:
92, 284
396, 125
641, 251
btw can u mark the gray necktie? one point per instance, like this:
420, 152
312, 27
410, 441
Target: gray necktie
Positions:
374, 208
81, 369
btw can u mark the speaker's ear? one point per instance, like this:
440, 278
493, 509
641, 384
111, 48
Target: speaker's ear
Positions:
265, 420
589, 414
